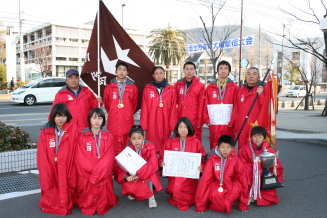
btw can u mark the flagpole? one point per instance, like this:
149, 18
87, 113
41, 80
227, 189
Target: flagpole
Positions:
254, 100
98, 41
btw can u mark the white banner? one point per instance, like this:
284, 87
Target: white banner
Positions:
230, 43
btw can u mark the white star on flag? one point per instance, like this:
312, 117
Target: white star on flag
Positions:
110, 66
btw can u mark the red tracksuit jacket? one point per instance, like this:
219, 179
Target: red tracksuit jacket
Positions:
158, 121
190, 103
79, 107
95, 190
182, 190
234, 185
245, 154
120, 120
57, 177
148, 172
242, 105
211, 97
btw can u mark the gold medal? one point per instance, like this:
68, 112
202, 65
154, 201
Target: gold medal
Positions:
55, 159
220, 189
161, 104
120, 105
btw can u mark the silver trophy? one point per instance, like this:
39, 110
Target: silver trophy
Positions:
270, 180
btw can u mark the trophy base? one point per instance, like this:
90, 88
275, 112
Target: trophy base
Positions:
270, 182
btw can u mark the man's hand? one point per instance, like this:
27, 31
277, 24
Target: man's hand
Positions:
259, 90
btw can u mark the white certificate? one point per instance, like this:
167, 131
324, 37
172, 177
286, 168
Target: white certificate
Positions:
182, 164
220, 114
129, 161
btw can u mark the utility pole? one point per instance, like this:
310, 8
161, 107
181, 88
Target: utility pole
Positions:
122, 14
282, 64
259, 49
241, 40
21, 48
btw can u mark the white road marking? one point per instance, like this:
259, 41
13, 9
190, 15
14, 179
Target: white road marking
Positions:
18, 194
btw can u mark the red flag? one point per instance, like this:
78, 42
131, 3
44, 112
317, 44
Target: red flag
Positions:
116, 46
267, 114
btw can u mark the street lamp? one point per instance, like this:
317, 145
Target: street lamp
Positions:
122, 14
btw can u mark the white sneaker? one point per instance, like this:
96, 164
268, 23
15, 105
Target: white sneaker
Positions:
152, 202
130, 198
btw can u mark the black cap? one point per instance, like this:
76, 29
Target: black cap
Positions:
71, 72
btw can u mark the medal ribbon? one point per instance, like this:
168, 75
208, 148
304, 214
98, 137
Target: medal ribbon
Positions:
59, 134
256, 183
97, 139
222, 168
185, 90
139, 151
121, 89
182, 144
221, 91
160, 91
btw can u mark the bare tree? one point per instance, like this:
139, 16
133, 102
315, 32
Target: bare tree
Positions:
308, 82
2, 44
210, 33
309, 45
42, 59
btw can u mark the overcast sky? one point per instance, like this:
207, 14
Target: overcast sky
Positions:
151, 14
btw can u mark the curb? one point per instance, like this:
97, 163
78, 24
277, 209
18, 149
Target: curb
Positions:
293, 104
299, 131
310, 141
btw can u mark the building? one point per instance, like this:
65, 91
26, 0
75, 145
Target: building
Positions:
289, 56
53, 48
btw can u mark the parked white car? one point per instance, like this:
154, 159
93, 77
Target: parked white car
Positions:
296, 91
41, 90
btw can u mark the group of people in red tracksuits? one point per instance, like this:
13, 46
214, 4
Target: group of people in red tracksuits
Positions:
76, 152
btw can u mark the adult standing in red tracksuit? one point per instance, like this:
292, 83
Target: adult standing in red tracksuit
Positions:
55, 155
158, 112
244, 99
190, 98
79, 99
223, 91
94, 161
120, 100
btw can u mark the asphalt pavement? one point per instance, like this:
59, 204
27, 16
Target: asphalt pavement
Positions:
302, 142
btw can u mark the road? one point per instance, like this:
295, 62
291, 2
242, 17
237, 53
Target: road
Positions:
28, 118
321, 96
304, 194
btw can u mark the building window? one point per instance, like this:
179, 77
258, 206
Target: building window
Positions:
205, 61
280, 57
295, 56
39, 34
73, 59
48, 31
61, 59
32, 37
